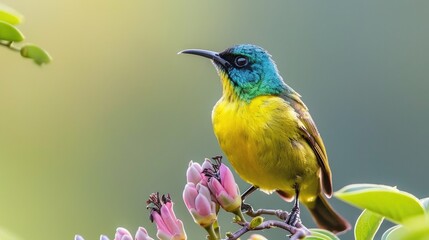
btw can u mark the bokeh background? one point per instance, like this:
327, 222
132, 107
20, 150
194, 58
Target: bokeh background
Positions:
118, 115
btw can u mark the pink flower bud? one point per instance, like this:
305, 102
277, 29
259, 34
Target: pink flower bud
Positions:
142, 234
222, 185
169, 227
198, 200
207, 164
123, 234
194, 173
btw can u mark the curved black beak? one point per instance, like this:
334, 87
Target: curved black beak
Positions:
207, 54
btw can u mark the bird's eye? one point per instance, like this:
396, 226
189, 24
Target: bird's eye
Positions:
241, 61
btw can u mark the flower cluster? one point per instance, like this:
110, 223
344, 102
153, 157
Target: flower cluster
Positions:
210, 186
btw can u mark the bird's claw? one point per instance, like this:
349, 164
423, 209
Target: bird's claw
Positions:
294, 217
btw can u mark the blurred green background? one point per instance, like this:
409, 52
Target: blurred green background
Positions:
118, 115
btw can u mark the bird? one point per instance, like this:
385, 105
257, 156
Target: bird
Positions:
268, 134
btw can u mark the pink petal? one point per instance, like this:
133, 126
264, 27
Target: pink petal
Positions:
189, 195
204, 191
204, 180
164, 235
170, 209
193, 174
182, 229
122, 234
168, 236
207, 164
141, 234
126, 237
228, 181
202, 205
215, 187
169, 219
159, 222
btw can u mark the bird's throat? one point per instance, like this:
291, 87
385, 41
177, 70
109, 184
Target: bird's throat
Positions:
230, 92
233, 92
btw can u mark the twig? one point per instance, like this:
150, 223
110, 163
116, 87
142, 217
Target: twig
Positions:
10, 46
283, 215
297, 233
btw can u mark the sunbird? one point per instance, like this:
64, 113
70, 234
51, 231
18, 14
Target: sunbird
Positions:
268, 135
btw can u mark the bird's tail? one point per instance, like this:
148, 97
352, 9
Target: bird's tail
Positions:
326, 217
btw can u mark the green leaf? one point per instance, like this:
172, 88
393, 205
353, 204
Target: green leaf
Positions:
8, 32
414, 229
9, 15
425, 203
367, 225
389, 202
36, 53
321, 234
391, 233
256, 221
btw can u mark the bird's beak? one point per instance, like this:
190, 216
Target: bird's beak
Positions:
208, 54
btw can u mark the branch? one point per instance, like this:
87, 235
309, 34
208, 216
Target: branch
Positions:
297, 233
283, 215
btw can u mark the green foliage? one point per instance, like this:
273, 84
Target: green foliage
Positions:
9, 15
389, 202
413, 229
380, 201
34, 52
367, 225
320, 234
9, 34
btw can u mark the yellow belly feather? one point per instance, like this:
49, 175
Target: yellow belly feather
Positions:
262, 143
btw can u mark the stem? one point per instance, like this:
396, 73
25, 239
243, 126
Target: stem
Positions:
216, 229
211, 232
240, 215
10, 46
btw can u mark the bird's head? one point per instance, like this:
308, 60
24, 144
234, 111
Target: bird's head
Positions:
246, 70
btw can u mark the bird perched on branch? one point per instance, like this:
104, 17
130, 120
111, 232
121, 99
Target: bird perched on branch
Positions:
268, 135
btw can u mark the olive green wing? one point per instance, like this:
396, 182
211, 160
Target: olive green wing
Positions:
311, 135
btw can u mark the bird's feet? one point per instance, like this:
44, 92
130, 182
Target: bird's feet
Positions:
294, 218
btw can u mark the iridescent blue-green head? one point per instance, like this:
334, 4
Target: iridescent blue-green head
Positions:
247, 69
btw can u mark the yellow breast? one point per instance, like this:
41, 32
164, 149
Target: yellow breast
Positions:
262, 142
